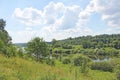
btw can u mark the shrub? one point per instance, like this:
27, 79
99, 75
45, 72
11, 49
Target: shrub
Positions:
68, 51
66, 61
11, 51
83, 61
118, 75
104, 66
118, 71
50, 62
78, 60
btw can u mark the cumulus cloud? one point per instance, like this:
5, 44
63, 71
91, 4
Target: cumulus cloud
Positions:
57, 20
52, 12
61, 16
61, 21
28, 16
109, 9
70, 17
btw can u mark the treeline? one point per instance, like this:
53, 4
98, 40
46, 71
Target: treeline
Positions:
98, 41
100, 46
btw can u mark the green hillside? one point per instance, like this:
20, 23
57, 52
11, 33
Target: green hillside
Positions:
98, 41
20, 69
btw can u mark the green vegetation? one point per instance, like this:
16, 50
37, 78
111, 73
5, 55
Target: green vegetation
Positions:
69, 59
105, 66
16, 68
37, 48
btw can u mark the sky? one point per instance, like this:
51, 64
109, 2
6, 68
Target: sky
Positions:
59, 19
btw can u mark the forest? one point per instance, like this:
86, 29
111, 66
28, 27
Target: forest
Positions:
80, 58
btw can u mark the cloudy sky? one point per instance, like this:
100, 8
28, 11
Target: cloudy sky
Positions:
59, 19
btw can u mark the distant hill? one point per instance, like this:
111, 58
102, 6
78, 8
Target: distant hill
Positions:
21, 44
25, 44
98, 41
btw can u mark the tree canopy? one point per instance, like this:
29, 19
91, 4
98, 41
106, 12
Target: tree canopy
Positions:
37, 47
4, 36
2, 24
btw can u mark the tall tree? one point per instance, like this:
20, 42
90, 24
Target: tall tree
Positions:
54, 41
38, 48
2, 24
4, 36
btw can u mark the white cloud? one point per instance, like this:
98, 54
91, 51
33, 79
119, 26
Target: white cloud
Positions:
70, 17
28, 16
57, 20
60, 21
28, 29
52, 12
109, 9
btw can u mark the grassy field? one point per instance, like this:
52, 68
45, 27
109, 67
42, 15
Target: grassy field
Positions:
21, 69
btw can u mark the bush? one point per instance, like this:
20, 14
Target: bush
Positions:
118, 75
118, 71
68, 51
11, 51
50, 62
66, 61
104, 66
78, 60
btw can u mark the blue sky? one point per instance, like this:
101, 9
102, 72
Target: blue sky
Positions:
59, 19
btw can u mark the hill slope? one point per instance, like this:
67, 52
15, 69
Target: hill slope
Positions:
98, 41
21, 69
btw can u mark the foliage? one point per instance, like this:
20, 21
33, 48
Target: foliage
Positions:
4, 36
55, 44
65, 46
5, 40
50, 62
11, 51
16, 68
2, 24
20, 52
2, 46
37, 47
98, 41
78, 60
104, 66
66, 61
117, 70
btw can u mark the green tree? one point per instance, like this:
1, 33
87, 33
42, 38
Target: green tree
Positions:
20, 52
4, 36
11, 51
54, 41
2, 46
83, 61
5, 39
79, 59
116, 44
2, 24
37, 47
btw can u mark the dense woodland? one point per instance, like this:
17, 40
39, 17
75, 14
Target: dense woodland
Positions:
98, 41
81, 58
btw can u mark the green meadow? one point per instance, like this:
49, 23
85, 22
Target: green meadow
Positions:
21, 69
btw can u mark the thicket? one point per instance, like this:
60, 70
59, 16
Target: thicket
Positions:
103, 65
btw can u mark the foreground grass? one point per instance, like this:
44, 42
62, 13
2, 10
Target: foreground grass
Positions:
21, 69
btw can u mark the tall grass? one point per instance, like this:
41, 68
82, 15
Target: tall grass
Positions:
20, 69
